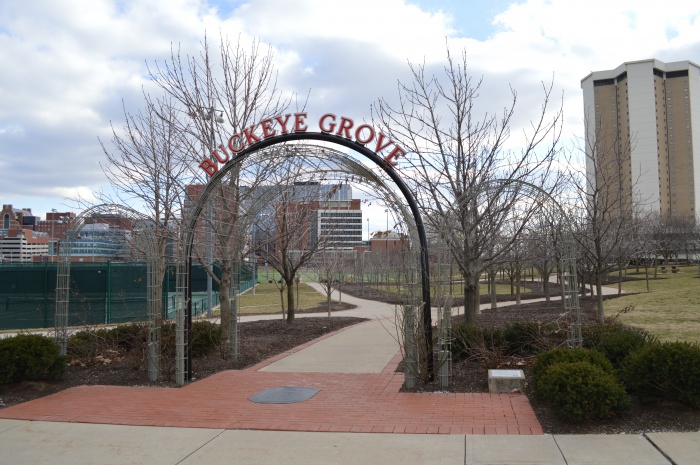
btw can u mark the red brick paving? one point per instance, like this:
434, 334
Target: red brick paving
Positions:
345, 403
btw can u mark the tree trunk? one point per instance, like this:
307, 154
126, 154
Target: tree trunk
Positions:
545, 286
477, 296
290, 302
494, 301
329, 291
599, 297
517, 290
469, 300
646, 276
282, 301
225, 309
619, 281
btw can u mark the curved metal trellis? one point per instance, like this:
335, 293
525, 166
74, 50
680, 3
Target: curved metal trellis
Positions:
144, 232
341, 163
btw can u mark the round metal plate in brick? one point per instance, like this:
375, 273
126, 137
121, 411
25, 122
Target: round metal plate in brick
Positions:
283, 395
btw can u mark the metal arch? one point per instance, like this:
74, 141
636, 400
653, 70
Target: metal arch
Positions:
184, 300
63, 283
567, 247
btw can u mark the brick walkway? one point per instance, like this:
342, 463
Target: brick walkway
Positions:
345, 403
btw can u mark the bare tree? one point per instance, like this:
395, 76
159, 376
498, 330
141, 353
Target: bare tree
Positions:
543, 240
287, 237
605, 203
459, 153
218, 96
330, 265
146, 167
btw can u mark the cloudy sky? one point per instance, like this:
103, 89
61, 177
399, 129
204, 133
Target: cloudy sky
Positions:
67, 65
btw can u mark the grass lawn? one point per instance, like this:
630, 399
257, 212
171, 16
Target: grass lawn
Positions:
670, 311
267, 299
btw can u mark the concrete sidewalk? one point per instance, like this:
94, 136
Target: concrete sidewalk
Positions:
26, 442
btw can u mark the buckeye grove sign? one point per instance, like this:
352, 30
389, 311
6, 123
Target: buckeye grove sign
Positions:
296, 123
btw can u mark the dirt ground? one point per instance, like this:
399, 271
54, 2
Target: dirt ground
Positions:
263, 339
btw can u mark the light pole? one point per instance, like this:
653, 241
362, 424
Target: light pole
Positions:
210, 252
386, 244
53, 242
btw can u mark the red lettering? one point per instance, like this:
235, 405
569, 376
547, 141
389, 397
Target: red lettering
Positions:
209, 167
395, 153
249, 136
299, 125
381, 146
241, 144
358, 134
283, 123
344, 127
218, 157
331, 126
267, 128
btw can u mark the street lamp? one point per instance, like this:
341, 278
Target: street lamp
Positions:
53, 242
211, 117
386, 245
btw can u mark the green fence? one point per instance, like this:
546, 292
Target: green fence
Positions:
100, 293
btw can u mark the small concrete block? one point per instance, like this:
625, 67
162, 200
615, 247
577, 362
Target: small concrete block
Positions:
506, 381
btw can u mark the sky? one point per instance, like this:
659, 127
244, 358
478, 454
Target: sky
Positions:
68, 66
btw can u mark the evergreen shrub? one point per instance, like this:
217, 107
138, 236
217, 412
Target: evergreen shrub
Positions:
30, 357
670, 370
616, 341
581, 391
549, 358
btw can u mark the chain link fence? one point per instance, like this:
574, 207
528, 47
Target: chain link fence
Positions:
100, 293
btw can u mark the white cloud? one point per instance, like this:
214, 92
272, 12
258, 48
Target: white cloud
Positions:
67, 64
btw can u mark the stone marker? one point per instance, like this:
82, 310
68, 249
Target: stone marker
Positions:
506, 381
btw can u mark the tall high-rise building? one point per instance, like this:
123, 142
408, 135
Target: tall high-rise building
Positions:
643, 117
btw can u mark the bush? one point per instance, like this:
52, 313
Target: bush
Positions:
580, 391
552, 357
123, 338
616, 342
527, 338
206, 337
30, 357
670, 370
471, 339
133, 337
128, 337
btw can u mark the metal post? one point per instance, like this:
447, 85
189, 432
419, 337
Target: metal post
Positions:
410, 349
108, 316
209, 229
